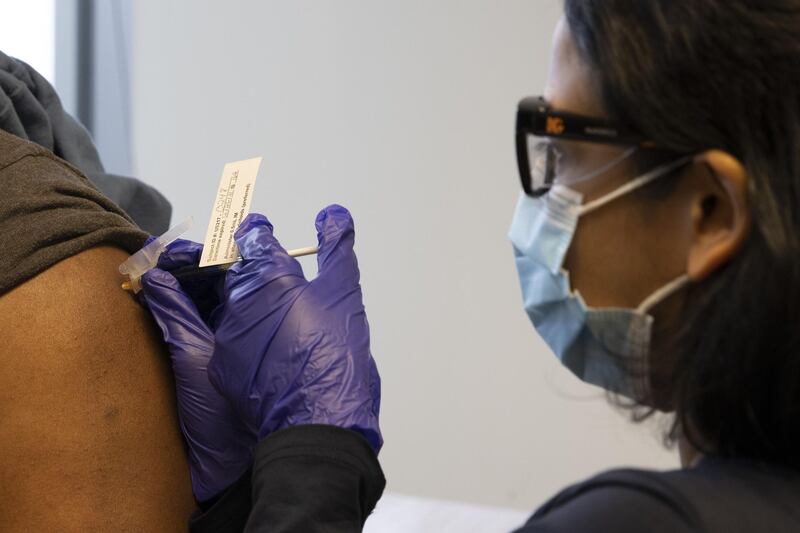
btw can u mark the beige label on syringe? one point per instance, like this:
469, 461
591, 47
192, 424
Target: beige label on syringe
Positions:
230, 207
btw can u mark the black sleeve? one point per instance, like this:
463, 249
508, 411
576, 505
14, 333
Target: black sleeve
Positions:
305, 479
621, 503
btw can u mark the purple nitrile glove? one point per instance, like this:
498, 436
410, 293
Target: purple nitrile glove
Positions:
291, 351
220, 446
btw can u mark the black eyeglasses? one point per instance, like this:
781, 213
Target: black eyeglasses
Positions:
537, 124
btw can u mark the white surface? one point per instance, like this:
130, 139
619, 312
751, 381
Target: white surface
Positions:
404, 113
27, 32
397, 513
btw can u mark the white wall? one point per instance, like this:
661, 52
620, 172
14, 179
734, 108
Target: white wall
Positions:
100, 102
111, 128
27, 32
403, 112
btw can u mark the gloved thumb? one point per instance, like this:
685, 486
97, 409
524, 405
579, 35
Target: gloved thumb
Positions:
336, 259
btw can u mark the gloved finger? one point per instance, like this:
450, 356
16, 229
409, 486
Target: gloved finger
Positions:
256, 241
375, 393
336, 258
176, 315
179, 253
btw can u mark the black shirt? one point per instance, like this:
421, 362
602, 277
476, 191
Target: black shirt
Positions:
308, 479
717, 495
319, 478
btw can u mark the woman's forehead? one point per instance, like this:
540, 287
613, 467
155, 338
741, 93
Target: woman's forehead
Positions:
571, 83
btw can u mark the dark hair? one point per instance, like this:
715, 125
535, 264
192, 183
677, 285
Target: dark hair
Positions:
699, 74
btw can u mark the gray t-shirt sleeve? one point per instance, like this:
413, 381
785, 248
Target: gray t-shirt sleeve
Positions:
49, 211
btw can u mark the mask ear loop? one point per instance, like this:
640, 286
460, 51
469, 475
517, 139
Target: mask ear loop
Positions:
632, 185
679, 282
663, 293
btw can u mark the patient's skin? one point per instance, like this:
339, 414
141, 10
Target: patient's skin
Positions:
89, 437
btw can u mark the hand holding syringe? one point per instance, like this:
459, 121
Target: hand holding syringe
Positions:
232, 203
240, 341
146, 258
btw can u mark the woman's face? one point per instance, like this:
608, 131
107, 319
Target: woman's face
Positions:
624, 251
627, 249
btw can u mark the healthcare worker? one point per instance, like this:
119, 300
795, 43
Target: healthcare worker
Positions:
657, 241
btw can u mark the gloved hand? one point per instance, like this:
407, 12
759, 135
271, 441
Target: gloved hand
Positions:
220, 446
291, 351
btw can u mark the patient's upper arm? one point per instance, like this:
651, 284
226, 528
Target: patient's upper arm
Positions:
89, 438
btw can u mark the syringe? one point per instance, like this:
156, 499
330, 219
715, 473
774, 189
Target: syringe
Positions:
146, 258
193, 272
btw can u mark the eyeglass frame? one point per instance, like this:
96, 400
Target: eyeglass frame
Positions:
536, 116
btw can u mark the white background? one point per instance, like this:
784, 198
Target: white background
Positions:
403, 112
27, 32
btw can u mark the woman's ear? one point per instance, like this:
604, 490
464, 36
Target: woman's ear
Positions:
720, 212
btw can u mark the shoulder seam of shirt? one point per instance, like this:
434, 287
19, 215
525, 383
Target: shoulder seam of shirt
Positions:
24, 147
38, 152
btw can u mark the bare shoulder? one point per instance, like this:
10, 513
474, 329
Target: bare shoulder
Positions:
89, 437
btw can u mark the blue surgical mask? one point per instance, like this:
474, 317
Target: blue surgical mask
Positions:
593, 343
